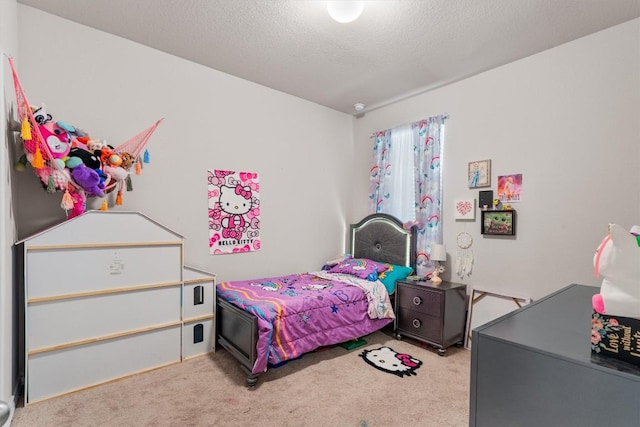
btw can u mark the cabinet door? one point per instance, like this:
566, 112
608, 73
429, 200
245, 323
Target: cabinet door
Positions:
64, 321
57, 272
198, 300
198, 294
70, 369
197, 338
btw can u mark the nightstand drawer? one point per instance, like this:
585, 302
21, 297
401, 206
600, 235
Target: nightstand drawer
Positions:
420, 324
423, 300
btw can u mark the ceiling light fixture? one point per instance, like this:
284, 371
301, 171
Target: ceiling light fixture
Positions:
345, 11
358, 106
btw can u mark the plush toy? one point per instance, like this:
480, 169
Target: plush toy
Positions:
108, 156
56, 138
40, 114
88, 179
116, 172
618, 261
78, 155
114, 159
127, 160
96, 144
103, 178
78, 205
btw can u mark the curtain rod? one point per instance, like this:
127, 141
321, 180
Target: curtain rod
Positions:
445, 116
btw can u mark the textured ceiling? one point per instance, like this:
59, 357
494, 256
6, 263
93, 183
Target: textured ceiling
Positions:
394, 50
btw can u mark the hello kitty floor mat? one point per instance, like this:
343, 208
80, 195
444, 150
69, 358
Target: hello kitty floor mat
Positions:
388, 360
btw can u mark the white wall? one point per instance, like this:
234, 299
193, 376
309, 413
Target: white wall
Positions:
114, 88
568, 119
8, 333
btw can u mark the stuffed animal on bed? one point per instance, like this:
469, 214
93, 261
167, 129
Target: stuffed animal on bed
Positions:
618, 261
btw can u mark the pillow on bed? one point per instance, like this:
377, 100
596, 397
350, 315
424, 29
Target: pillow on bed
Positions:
359, 267
393, 273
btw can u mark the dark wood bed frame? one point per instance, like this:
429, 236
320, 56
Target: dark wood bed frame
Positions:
379, 237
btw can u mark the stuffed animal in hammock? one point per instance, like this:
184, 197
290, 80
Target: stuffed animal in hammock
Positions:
57, 139
618, 261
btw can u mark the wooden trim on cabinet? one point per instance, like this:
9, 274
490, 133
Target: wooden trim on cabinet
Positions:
104, 338
103, 292
144, 371
100, 245
199, 318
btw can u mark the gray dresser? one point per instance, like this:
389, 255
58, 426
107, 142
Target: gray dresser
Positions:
433, 314
534, 367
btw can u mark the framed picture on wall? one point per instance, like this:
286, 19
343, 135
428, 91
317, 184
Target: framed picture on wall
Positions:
465, 209
500, 223
479, 174
485, 199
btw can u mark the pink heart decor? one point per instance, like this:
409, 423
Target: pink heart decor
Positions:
464, 207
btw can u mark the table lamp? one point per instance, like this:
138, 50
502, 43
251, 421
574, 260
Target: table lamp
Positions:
438, 253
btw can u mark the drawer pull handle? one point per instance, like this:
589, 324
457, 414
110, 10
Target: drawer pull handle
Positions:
198, 295
198, 333
416, 323
417, 300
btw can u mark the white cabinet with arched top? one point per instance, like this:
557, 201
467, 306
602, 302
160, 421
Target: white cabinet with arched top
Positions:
106, 296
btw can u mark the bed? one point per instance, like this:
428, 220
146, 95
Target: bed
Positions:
270, 321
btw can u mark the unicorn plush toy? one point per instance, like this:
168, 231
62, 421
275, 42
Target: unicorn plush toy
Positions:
618, 261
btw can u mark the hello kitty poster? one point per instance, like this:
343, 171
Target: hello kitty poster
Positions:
234, 212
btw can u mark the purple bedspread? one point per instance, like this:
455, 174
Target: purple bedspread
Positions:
302, 312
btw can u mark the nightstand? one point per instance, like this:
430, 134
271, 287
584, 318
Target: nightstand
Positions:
434, 314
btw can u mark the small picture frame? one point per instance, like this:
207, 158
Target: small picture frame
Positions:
479, 174
465, 209
498, 223
485, 199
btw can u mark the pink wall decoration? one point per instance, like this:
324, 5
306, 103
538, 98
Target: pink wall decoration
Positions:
465, 209
234, 212
510, 188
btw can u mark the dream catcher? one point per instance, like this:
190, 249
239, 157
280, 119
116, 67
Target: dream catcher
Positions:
464, 254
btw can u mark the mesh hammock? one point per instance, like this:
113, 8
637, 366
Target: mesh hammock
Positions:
58, 178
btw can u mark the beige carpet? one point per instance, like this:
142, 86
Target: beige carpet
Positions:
334, 387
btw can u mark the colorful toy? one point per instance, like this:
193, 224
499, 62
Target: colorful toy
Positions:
77, 205
83, 156
57, 139
40, 115
88, 179
618, 261
67, 159
115, 172
127, 160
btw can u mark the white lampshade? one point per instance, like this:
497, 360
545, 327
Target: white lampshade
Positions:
438, 252
345, 11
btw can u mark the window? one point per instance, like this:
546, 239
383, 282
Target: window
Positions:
406, 180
